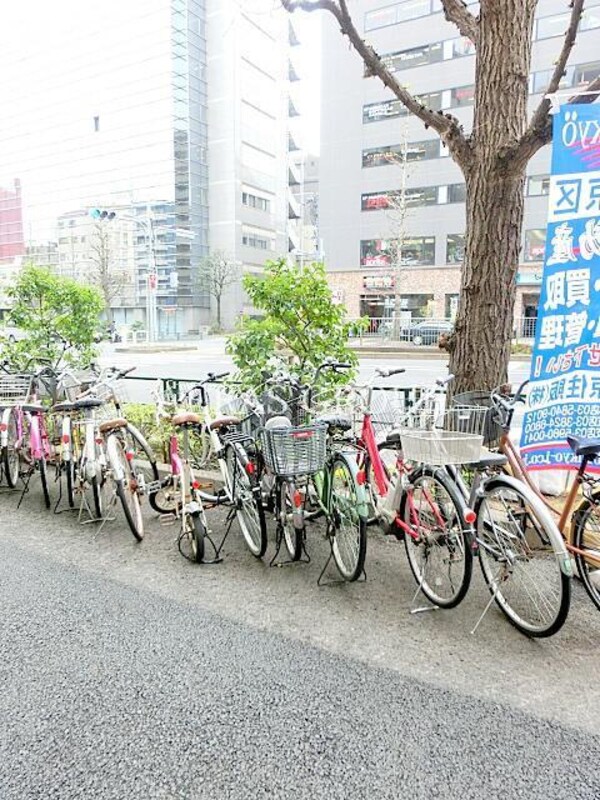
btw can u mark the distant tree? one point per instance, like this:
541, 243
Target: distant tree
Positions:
217, 271
493, 159
105, 274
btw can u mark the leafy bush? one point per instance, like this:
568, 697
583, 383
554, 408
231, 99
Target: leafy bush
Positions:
57, 315
300, 323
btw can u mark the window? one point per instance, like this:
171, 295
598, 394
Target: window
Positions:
451, 306
258, 238
455, 248
557, 24
457, 193
384, 252
414, 197
462, 47
538, 185
413, 57
462, 96
535, 244
254, 201
585, 73
374, 112
393, 154
422, 196
407, 10
389, 109
576, 76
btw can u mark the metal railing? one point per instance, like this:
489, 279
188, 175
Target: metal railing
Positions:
423, 332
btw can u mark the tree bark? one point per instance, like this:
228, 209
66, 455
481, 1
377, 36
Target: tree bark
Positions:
480, 346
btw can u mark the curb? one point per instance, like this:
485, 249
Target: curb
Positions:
384, 351
166, 348
203, 475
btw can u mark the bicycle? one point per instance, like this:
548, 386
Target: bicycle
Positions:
24, 437
102, 385
522, 555
420, 505
241, 490
100, 456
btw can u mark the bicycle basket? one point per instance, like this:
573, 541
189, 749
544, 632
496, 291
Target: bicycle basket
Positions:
249, 420
454, 437
492, 431
294, 451
15, 389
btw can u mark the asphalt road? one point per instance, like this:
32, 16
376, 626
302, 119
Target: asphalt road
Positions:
211, 357
127, 672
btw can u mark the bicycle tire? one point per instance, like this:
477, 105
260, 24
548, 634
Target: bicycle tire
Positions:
131, 508
514, 547
42, 468
293, 537
350, 549
10, 456
246, 499
586, 535
197, 533
70, 480
441, 537
97, 496
146, 464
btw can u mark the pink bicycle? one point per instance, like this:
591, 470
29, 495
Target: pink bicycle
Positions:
420, 505
23, 435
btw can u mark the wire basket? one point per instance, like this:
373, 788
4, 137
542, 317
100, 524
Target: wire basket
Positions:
72, 385
454, 437
15, 389
492, 431
295, 451
249, 419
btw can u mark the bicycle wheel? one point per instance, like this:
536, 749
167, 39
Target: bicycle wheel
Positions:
586, 537
144, 463
196, 530
126, 486
97, 484
292, 536
246, 499
10, 456
43, 470
436, 540
519, 558
347, 527
69, 467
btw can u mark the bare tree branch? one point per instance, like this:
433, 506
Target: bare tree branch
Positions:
457, 12
539, 130
447, 126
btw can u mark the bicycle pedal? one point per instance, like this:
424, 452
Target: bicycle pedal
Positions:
167, 519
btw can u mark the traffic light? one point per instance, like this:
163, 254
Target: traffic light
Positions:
102, 213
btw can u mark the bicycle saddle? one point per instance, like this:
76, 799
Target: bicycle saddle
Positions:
336, 421
77, 405
584, 447
186, 418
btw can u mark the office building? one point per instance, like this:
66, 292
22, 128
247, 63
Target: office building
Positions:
173, 114
366, 132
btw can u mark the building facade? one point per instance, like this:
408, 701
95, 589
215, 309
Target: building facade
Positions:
155, 112
392, 202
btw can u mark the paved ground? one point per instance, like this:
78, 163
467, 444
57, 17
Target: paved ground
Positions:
127, 672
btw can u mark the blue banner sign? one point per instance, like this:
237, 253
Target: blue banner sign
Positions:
564, 393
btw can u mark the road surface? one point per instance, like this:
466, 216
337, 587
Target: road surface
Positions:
127, 672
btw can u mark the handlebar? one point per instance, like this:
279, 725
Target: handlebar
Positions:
387, 373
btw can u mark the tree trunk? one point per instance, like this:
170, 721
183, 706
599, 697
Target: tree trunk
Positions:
218, 298
480, 348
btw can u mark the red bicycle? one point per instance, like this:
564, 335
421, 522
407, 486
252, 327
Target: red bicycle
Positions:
420, 505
